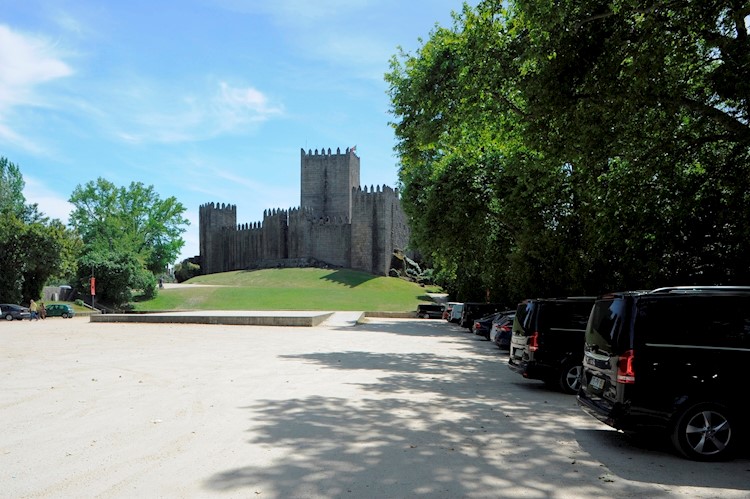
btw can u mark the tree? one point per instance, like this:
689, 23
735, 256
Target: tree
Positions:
133, 219
129, 234
118, 273
186, 270
650, 103
574, 147
30, 244
12, 201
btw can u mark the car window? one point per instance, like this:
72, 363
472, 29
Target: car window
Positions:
723, 321
566, 315
523, 315
606, 325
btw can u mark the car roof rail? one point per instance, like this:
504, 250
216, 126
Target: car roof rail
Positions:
689, 289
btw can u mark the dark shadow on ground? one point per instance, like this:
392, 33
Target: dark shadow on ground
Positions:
348, 278
438, 426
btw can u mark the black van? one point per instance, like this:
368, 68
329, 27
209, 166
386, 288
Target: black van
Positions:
547, 340
674, 360
431, 311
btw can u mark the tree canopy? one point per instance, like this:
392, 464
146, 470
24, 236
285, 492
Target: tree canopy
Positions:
552, 148
129, 234
134, 219
30, 244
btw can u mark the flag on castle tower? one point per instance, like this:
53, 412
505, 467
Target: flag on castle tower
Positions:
353, 148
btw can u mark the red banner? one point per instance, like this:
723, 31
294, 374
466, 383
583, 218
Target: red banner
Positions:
93, 286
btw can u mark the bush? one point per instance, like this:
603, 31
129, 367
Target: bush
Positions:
186, 270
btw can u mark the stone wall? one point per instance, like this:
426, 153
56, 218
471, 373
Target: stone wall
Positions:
331, 241
213, 219
327, 180
338, 223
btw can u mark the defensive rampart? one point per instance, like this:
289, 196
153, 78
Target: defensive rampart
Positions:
338, 224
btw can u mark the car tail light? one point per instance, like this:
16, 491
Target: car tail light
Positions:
505, 327
534, 342
625, 371
477, 325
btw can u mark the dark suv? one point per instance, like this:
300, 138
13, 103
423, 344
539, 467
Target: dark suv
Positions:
476, 310
673, 360
547, 340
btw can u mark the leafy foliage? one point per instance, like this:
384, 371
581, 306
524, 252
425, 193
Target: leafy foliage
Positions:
186, 270
129, 235
132, 219
118, 273
570, 147
30, 244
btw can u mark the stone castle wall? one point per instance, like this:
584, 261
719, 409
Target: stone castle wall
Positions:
338, 223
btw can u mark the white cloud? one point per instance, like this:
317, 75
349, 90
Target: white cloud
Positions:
27, 61
50, 203
237, 106
149, 115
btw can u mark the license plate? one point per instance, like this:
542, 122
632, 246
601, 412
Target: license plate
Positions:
597, 383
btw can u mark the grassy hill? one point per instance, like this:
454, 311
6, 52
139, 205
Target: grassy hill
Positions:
291, 289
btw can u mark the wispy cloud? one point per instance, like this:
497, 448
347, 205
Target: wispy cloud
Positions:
155, 114
50, 203
27, 61
354, 43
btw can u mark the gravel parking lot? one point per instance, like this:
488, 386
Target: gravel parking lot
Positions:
389, 408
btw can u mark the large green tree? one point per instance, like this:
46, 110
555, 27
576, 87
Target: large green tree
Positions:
129, 235
566, 147
30, 244
133, 219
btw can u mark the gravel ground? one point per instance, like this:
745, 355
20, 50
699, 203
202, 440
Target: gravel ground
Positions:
389, 408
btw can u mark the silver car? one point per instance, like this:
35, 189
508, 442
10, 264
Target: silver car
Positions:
14, 312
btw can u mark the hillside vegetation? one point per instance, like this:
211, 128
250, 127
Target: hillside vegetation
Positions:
290, 289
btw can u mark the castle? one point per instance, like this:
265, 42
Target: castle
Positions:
337, 223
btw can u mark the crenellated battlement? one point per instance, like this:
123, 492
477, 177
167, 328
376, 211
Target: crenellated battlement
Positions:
338, 222
324, 152
218, 207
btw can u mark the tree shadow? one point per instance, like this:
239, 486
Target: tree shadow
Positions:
428, 425
348, 278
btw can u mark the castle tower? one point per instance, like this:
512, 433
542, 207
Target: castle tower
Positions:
327, 181
214, 222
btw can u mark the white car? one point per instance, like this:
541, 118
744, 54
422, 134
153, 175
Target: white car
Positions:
456, 312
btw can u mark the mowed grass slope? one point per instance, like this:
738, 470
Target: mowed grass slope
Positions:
291, 289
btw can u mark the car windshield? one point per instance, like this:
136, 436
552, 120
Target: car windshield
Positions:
607, 319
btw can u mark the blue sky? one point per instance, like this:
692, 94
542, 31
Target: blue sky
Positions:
206, 100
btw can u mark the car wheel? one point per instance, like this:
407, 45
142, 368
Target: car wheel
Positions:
706, 432
8, 317
65, 315
570, 378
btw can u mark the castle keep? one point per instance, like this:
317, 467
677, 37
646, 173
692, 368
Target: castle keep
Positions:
337, 223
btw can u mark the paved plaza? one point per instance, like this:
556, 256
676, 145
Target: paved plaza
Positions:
388, 408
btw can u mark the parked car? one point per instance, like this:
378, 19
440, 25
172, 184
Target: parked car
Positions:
60, 310
483, 325
430, 311
502, 328
547, 340
472, 311
650, 366
14, 312
456, 312
448, 310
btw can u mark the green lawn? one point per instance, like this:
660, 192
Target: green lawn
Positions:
292, 289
